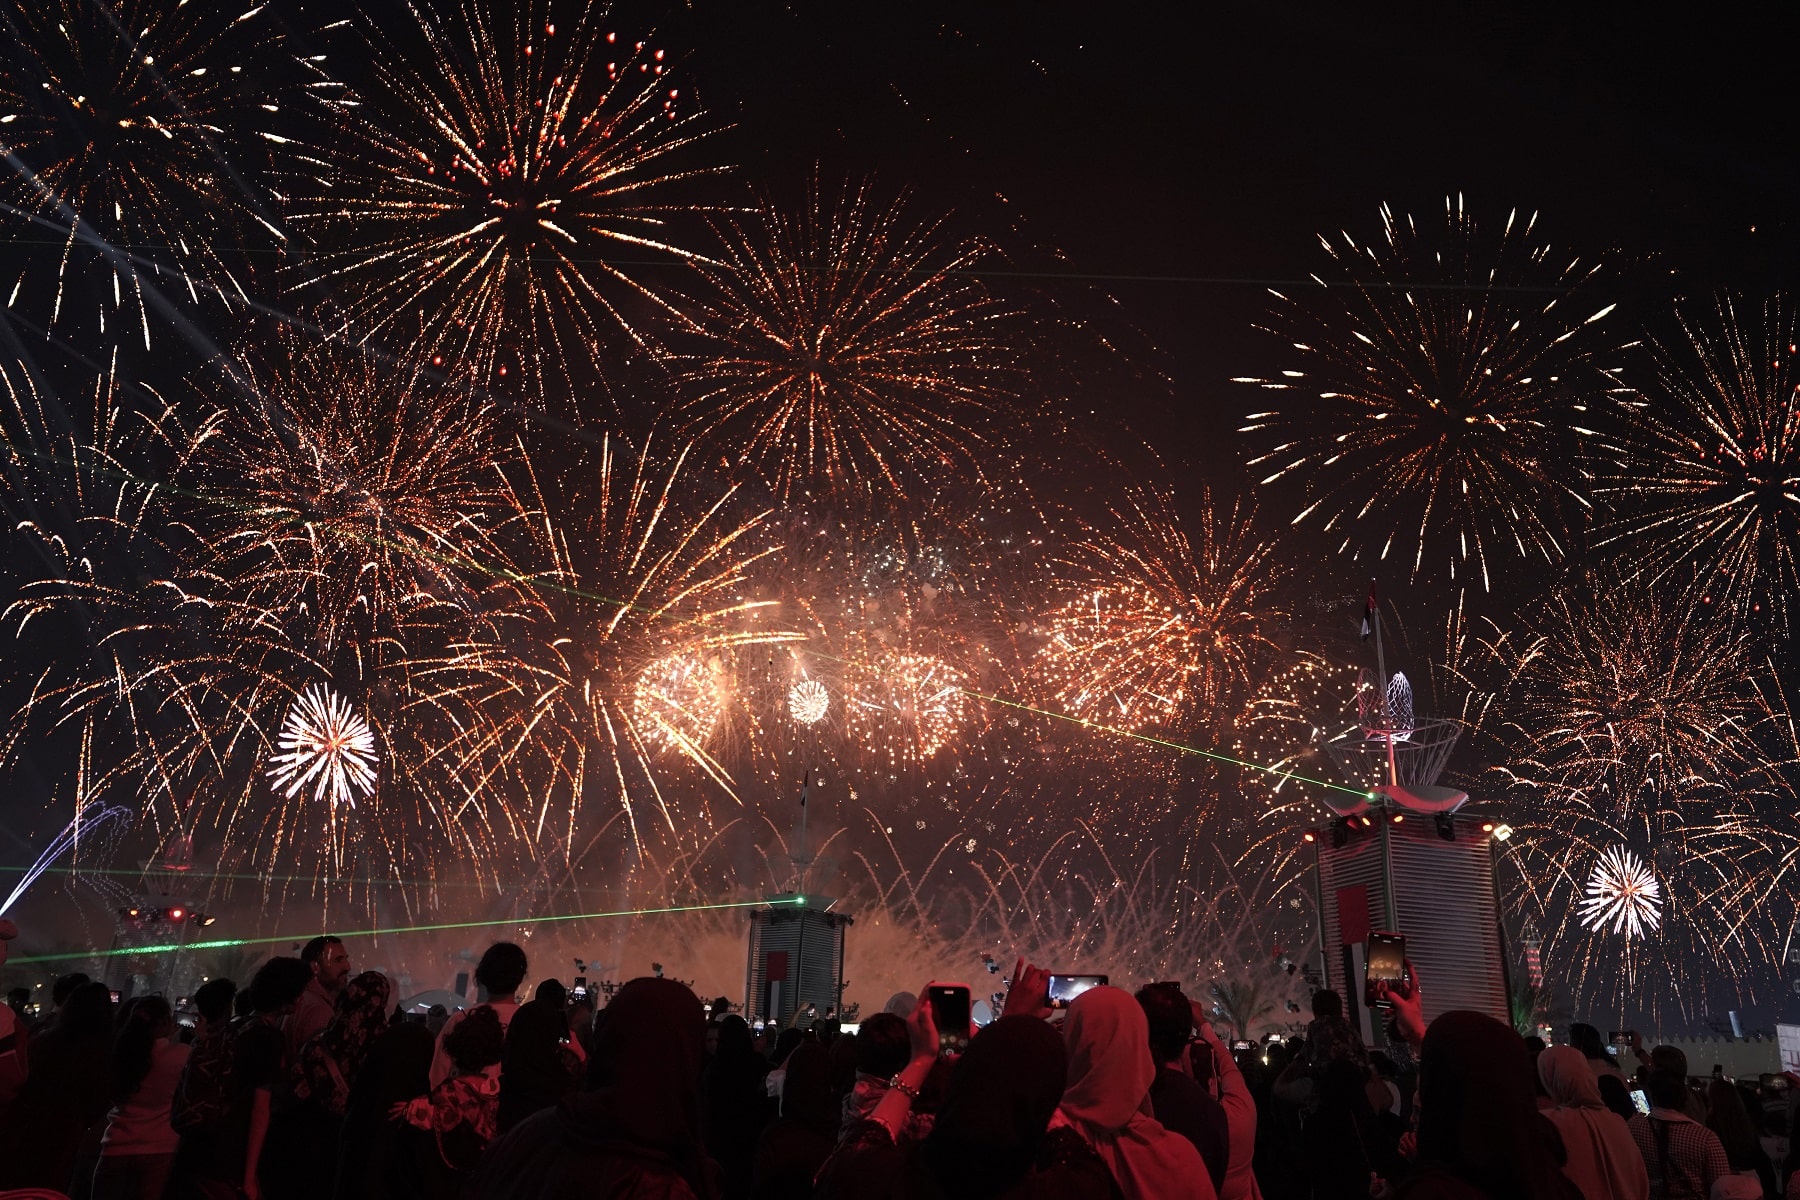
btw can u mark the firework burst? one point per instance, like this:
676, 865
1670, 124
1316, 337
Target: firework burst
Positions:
1704, 483
1161, 629
849, 349
1624, 719
1442, 390
360, 504
907, 706
631, 647
1623, 896
505, 187
1630, 702
325, 745
809, 701
680, 701
116, 120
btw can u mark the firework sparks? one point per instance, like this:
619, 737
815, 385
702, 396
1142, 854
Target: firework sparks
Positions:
808, 701
1622, 893
680, 700
1164, 627
503, 186
850, 350
1444, 402
630, 644
364, 503
1705, 482
909, 706
115, 119
1624, 718
1629, 702
327, 746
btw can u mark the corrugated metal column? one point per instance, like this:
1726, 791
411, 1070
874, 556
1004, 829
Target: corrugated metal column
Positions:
800, 966
1319, 895
1390, 907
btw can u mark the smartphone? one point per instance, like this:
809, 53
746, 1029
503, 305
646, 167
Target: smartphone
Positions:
579, 990
950, 1012
1386, 958
1640, 1100
115, 995
1242, 1045
1064, 988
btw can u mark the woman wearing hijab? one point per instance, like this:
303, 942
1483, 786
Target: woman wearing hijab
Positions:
735, 1103
537, 1068
636, 1130
992, 1138
1729, 1118
1480, 1134
1108, 1100
1603, 1161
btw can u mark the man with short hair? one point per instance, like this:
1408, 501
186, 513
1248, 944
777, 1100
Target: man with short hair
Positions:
329, 963
1177, 1101
500, 972
259, 1069
1672, 1060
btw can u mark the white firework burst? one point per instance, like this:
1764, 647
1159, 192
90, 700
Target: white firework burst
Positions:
327, 746
1622, 895
809, 701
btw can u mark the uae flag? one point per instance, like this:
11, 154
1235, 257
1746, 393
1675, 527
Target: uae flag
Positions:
1369, 613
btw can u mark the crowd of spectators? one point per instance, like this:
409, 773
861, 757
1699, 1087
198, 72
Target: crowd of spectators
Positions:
312, 1082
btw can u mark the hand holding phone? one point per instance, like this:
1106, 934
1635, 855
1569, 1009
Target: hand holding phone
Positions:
949, 1003
1386, 963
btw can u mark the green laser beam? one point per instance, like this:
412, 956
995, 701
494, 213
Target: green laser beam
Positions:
225, 943
1147, 738
1167, 744
533, 581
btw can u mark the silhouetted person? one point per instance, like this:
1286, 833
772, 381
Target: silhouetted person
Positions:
636, 1132
1177, 1100
379, 1156
202, 1102
538, 1069
138, 1149
736, 1103
802, 1137
65, 1096
247, 1153
501, 970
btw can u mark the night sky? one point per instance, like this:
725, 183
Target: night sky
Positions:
1182, 156
1149, 170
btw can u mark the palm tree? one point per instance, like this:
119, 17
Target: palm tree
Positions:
1244, 999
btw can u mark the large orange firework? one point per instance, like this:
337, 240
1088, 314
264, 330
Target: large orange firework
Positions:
848, 349
1161, 625
1703, 484
1440, 387
640, 611
511, 189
